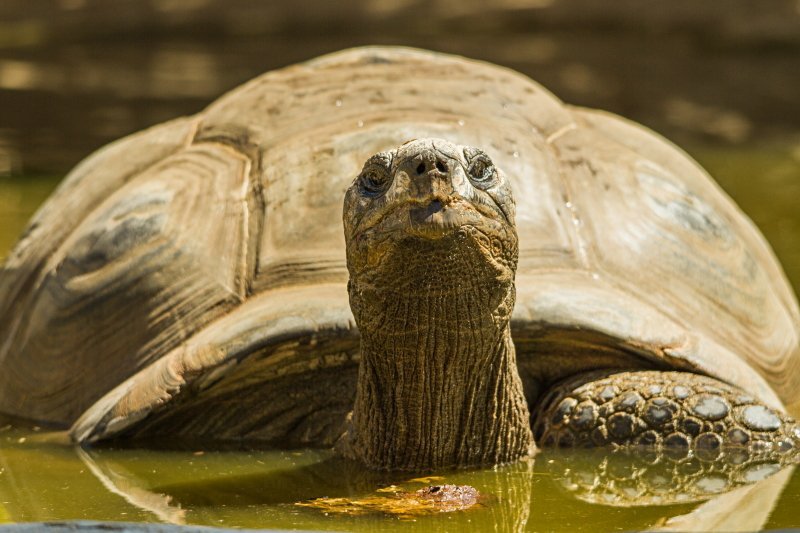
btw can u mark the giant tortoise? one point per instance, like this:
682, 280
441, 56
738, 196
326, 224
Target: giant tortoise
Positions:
191, 281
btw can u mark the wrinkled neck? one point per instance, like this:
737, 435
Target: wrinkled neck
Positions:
438, 385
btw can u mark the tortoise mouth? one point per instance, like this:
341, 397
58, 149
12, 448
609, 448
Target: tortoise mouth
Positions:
436, 219
434, 210
432, 218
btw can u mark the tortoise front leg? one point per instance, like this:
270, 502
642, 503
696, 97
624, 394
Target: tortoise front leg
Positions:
677, 412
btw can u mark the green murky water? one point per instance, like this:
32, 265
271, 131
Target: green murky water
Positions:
259, 489
45, 480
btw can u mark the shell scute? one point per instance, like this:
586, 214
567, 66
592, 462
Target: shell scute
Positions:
153, 263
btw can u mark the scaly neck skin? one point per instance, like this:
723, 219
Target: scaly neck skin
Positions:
438, 385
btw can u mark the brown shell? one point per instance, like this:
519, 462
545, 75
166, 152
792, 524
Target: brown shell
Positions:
202, 258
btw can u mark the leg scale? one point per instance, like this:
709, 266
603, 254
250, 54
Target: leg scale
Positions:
677, 412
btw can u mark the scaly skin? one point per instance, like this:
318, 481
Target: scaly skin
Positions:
680, 413
431, 250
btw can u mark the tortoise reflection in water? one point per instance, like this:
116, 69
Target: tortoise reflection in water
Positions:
644, 477
189, 281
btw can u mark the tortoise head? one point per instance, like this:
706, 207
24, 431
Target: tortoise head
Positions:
435, 201
432, 251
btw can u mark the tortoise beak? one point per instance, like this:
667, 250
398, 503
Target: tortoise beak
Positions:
440, 217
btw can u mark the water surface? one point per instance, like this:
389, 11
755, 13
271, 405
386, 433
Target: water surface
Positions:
48, 481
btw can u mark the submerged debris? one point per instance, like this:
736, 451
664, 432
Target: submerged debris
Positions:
400, 503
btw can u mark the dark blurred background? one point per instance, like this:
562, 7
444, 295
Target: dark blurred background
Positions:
75, 74
719, 77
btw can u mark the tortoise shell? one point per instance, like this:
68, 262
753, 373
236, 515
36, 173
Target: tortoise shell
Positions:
190, 279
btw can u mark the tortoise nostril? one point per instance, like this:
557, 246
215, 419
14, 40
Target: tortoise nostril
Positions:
420, 168
440, 166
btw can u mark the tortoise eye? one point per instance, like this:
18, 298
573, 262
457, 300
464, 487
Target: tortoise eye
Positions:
374, 178
481, 169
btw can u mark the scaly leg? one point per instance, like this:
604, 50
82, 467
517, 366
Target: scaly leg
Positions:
680, 413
